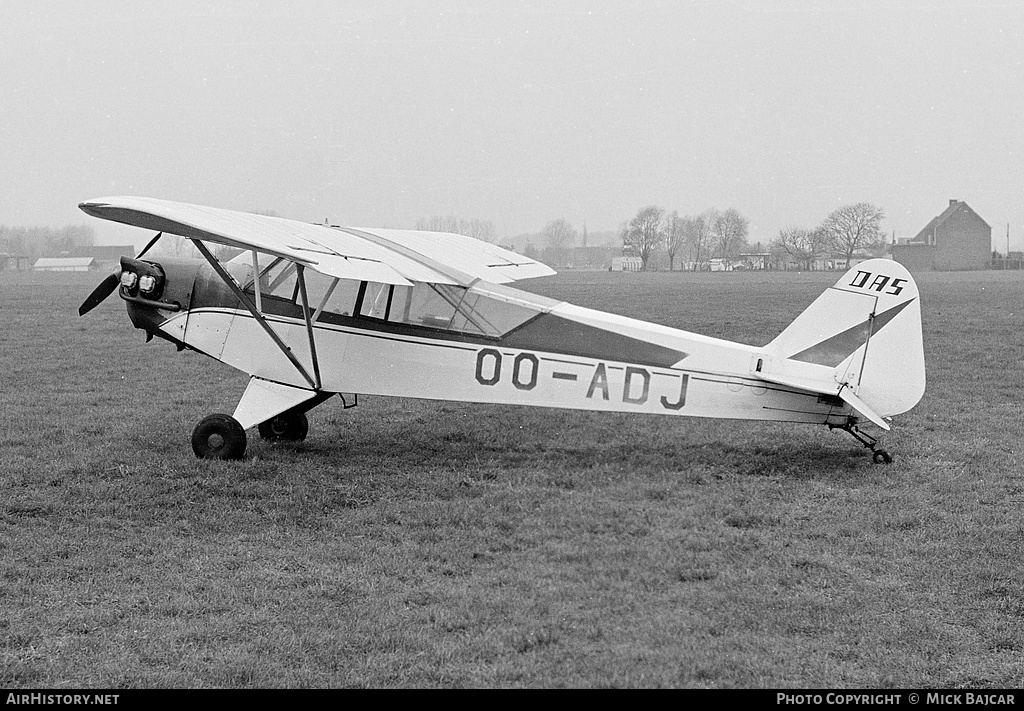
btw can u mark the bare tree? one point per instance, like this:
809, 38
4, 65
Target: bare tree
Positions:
175, 246
730, 230
801, 244
559, 234
854, 227
71, 236
12, 241
675, 237
483, 230
438, 223
645, 233
698, 236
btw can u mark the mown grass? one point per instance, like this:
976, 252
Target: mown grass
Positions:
420, 544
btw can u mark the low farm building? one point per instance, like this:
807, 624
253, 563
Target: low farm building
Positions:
64, 264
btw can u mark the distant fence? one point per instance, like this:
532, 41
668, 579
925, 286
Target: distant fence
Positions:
1007, 264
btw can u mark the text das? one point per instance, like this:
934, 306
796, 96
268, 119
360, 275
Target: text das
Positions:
867, 280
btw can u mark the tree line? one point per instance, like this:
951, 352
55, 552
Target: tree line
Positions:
37, 242
475, 228
724, 234
699, 238
693, 241
845, 230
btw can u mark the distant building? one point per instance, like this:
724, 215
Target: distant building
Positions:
64, 264
830, 261
104, 254
957, 239
753, 260
720, 265
627, 264
595, 257
15, 262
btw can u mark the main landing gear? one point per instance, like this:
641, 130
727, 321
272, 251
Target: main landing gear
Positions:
220, 436
285, 428
878, 455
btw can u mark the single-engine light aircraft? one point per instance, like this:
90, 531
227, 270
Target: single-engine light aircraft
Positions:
310, 311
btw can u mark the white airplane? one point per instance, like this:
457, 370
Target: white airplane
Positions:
310, 311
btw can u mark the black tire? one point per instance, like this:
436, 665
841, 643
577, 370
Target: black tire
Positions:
219, 437
285, 428
880, 456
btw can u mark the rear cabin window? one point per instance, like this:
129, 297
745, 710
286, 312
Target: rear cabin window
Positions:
376, 300
325, 293
442, 306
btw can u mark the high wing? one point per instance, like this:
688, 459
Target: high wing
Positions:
379, 255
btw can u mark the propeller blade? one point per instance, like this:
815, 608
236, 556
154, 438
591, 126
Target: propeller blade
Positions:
109, 284
101, 292
151, 243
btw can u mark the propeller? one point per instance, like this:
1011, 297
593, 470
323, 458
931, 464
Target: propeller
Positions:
109, 284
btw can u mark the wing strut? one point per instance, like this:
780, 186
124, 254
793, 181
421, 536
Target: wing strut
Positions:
256, 281
260, 319
300, 273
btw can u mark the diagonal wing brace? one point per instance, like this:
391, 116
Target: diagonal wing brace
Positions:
314, 379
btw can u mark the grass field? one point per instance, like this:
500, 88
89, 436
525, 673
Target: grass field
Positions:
421, 544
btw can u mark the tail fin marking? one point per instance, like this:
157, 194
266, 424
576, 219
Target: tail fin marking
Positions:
834, 350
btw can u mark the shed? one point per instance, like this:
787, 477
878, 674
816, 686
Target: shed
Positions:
15, 262
64, 264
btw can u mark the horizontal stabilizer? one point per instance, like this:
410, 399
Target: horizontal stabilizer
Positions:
828, 387
861, 407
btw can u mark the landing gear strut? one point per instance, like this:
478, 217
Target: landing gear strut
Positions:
878, 455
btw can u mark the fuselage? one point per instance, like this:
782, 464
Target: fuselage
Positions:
486, 343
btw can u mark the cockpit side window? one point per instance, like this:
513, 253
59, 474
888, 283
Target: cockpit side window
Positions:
446, 307
279, 279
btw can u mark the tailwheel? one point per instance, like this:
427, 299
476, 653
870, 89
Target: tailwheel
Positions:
285, 428
218, 436
878, 455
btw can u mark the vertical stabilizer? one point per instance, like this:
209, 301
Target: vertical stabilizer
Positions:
860, 340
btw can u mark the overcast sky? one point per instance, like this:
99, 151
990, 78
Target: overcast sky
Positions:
379, 113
